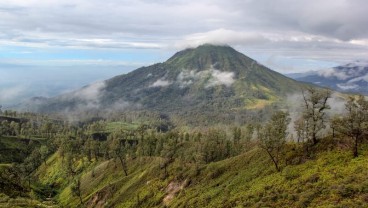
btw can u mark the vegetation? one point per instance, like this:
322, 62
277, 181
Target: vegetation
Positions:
130, 163
354, 124
273, 136
163, 137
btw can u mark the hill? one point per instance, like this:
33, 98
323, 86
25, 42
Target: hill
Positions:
205, 79
127, 163
352, 77
333, 179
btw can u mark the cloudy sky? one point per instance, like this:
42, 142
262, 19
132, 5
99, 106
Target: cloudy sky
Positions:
69, 43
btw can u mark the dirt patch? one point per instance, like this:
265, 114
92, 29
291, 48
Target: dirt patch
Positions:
172, 189
99, 199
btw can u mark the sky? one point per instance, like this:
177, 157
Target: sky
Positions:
54, 46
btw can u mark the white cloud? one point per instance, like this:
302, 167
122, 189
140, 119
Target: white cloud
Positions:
347, 86
213, 77
91, 92
341, 75
221, 78
222, 37
353, 72
187, 77
361, 78
160, 83
93, 23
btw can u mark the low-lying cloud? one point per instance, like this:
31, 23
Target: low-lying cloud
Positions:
296, 106
89, 97
214, 77
347, 86
11, 94
185, 78
160, 83
355, 71
328, 73
221, 78
91, 92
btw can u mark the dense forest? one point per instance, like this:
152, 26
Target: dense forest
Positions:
148, 159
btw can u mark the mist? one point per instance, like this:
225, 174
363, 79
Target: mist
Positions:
20, 83
295, 103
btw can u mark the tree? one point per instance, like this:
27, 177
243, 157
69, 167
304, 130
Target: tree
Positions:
314, 115
29, 165
44, 152
14, 128
119, 152
300, 126
237, 135
273, 136
249, 130
354, 123
76, 189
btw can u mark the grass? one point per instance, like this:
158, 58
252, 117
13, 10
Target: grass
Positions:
258, 104
333, 179
4, 166
113, 126
15, 149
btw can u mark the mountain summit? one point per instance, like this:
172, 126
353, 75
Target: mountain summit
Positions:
205, 56
207, 78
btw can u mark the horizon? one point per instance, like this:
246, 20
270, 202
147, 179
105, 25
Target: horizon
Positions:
48, 48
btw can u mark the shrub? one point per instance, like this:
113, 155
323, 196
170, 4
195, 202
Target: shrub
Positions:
346, 190
290, 174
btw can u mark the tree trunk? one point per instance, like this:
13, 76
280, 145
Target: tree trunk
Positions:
80, 199
123, 166
273, 160
355, 150
314, 139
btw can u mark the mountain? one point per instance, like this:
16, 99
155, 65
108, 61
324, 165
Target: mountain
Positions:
352, 77
208, 78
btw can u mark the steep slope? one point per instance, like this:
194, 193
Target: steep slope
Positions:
352, 77
206, 78
333, 179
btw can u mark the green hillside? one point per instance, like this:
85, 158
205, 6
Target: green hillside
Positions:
332, 179
136, 162
191, 80
15, 149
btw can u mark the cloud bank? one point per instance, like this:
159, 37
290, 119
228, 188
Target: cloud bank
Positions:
125, 24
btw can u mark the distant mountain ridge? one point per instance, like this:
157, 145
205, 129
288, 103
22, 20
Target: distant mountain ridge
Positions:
352, 77
208, 78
